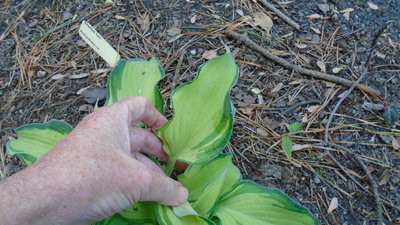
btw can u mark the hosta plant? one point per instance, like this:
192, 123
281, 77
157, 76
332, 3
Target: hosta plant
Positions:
197, 133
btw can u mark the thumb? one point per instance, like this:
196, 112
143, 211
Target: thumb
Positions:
165, 191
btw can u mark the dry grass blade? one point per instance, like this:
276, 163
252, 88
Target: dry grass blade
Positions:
297, 68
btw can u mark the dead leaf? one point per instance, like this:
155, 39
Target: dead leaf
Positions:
193, 19
380, 55
336, 70
395, 143
256, 90
314, 16
277, 87
316, 30
321, 65
210, 54
57, 76
173, 31
79, 76
300, 46
329, 84
262, 132
144, 22
346, 15
297, 147
372, 6
342, 94
298, 81
324, 8
333, 205
263, 20
118, 17
304, 119
175, 38
347, 10
313, 108
240, 12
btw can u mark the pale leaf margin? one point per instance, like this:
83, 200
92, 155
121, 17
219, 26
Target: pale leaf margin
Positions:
282, 200
36, 139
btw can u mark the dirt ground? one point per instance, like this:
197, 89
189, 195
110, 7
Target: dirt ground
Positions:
335, 37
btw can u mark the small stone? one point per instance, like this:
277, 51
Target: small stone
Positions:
81, 43
317, 180
280, 104
67, 15
41, 73
193, 52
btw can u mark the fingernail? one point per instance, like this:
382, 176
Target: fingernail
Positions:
182, 195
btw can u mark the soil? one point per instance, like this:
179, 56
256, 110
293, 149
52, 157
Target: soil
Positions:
31, 90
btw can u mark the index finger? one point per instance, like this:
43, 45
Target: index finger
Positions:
141, 110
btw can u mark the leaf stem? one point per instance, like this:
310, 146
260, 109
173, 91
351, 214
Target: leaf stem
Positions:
170, 166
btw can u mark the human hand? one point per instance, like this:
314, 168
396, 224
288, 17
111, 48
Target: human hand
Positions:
98, 169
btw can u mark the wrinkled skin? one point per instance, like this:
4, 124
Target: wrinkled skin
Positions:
96, 171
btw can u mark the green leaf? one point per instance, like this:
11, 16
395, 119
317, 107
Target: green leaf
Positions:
203, 113
294, 127
139, 213
206, 183
136, 78
391, 115
166, 216
287, 145
250, 203
36, 139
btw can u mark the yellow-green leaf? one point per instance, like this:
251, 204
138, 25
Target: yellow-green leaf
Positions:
139, 213
287, 146
203, 113
294, 127
166, 216
136, 78
36, 139
250, 203
206, 183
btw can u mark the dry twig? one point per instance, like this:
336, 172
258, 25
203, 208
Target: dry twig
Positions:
297, 68
349, 151
281, 15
